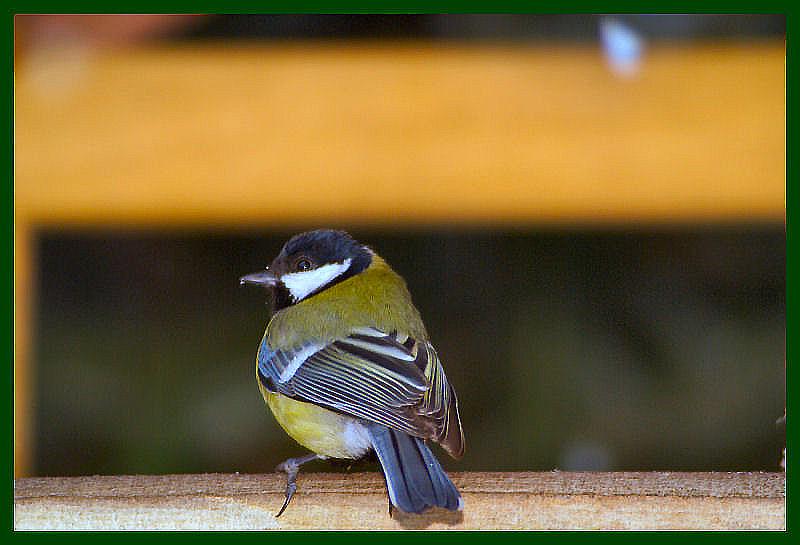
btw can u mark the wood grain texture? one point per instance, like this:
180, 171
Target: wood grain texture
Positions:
553, 500
400, 133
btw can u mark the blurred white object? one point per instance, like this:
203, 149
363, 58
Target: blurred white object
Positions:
583, 454
57, 62
622, 46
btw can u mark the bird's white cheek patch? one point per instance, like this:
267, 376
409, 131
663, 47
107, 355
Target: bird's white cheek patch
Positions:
301, 284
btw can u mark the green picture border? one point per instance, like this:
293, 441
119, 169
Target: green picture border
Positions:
319, 6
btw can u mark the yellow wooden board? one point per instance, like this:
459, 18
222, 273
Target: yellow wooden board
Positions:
254, 134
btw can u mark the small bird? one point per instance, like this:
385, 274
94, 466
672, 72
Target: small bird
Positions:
347, 369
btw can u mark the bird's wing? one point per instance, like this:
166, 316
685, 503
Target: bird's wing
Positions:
387, 378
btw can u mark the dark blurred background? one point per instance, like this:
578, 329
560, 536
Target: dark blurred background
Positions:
577, 346
496, 27
606, 350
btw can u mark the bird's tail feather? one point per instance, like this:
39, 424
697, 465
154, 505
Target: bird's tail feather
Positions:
414, 478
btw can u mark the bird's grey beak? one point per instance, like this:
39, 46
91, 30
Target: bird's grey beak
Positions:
265, 279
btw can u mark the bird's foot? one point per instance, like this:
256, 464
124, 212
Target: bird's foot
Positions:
291, 467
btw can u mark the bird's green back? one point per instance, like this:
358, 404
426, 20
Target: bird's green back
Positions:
377, 297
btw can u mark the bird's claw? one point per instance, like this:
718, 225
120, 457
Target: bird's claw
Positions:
291, 467
290, 490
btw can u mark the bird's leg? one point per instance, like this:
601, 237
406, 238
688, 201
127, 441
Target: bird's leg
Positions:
291, 467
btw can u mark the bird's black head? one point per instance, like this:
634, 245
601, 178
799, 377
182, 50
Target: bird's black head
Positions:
310, 263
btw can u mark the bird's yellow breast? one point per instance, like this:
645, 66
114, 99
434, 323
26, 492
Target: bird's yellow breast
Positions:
317, 429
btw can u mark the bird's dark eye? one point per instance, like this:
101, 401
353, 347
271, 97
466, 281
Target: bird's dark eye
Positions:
303, 264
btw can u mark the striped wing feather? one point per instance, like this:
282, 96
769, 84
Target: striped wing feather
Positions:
390, 379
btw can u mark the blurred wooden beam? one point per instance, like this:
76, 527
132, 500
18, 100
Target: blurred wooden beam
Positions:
23, 374
259, 134
510, 501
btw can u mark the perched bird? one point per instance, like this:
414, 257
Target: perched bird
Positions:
347, 369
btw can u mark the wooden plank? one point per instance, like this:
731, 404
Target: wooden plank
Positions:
400, 133
24, 301
553, 500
